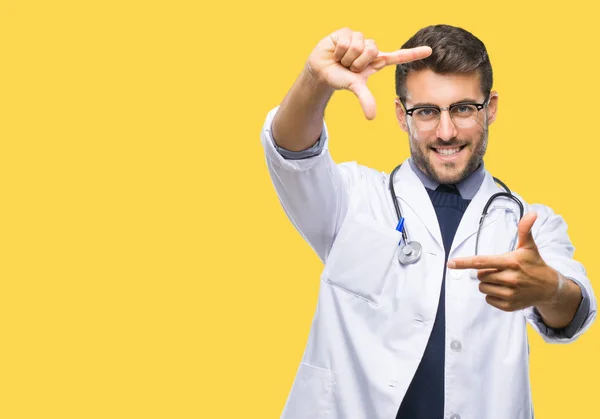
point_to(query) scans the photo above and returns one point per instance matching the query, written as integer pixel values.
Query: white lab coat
(374, 316)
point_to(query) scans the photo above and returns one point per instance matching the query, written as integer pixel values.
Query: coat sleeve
(312, 189)
(550, 235)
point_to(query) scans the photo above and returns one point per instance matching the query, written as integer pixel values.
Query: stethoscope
(410, 251)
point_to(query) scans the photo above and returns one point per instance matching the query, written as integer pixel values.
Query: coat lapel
(470, 220)
(415, 203)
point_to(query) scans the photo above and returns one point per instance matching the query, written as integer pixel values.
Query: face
(447, 154)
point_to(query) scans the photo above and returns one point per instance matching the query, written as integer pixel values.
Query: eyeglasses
(463, 114)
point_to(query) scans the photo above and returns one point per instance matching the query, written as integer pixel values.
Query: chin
(449, 175)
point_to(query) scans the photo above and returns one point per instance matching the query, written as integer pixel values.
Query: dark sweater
(425, 396)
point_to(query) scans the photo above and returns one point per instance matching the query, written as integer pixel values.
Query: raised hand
(345, 60)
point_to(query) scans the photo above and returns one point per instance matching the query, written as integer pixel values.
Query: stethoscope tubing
(411, 251)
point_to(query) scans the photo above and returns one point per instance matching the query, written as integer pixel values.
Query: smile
(448, 152)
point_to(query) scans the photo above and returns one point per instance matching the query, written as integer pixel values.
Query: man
(435, 333)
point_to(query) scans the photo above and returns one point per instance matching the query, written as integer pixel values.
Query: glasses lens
(464, 116)
(426, 118)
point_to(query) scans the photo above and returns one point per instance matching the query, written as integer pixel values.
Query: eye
(464, 110)
(426, 113)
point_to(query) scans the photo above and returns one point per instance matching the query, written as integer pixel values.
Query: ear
(401, 115)
(492, 107)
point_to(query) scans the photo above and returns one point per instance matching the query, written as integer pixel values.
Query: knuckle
(358, 37)
(513, 281)
(513, 262)
(371, 49)
(356, 48)
(343, 44)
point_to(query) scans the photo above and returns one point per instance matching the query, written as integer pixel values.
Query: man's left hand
(514, 280)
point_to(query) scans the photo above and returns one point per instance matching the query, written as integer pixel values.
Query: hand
(345, 60)
(518, 279)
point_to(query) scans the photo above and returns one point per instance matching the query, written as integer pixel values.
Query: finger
(504, 261)
(357, 45)
(341, 39)
(483, 273)
(400, 56)
(366, 99)
(493, 276)
(369, 54)
(496, 291)
(474, 273)
(525, 235)
(499, 303)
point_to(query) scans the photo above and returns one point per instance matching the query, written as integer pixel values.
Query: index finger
(480, 262)
(400, 56)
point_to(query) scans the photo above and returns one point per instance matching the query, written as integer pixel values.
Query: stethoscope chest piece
(410, 253)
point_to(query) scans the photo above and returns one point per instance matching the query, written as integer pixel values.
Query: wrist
(311, 80)
(556, 287)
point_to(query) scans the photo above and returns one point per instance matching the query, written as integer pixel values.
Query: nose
(446, 130)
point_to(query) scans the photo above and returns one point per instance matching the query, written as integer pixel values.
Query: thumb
(365, 97)
(525, 235)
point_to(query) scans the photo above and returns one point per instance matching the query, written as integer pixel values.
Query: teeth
(448, 151)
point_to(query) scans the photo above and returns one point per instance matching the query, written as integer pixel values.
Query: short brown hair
(454, 50)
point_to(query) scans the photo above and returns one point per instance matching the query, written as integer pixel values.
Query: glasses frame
(479, 107)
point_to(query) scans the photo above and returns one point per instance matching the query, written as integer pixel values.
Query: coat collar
(412, 194)
(467, 187)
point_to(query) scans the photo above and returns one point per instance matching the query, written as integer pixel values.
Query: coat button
(456, 274)
(455, 416)
(455, 345)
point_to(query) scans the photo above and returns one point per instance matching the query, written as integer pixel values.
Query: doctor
(442, 336)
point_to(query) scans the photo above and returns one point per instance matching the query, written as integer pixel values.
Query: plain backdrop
(147, 269)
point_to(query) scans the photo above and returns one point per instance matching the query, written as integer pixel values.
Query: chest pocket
(362, 257)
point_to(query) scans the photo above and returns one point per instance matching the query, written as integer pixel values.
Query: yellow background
(146, 267)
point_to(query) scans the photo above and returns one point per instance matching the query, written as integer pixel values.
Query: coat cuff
(569, 331)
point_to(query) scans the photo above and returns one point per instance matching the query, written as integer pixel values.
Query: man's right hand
(345, 60)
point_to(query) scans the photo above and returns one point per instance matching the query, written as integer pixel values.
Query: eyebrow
(468, 100)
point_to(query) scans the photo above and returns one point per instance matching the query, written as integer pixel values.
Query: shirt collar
(467, 187)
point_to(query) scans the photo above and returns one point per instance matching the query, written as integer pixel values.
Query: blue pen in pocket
(400, 227)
